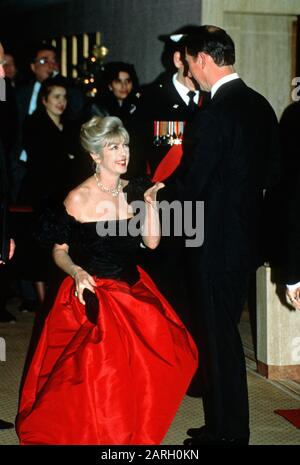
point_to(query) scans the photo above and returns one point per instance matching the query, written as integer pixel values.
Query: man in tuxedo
(229, 148)
(288, 197)
(5, 316)
(43, 64)
(7, 133)
(293, 247)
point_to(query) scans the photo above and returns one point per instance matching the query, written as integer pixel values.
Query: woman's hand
(151, 227)
(12, 247)
(150, 194)
(83, 280)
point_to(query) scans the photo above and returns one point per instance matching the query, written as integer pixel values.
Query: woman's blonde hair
(101, 131)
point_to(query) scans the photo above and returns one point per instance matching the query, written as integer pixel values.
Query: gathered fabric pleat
(119, 381)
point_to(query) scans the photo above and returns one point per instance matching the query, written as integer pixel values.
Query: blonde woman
(114, 361)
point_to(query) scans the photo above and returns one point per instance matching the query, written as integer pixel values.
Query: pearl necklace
(115, 191)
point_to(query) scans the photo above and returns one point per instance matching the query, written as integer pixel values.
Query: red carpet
(293, 416)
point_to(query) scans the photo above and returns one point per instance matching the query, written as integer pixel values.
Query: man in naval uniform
(167, 105)
(169, 102)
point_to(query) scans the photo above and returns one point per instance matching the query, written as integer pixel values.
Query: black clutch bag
(4, 236)
(91, 305)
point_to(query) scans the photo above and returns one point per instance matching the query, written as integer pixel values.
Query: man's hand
(293, 297)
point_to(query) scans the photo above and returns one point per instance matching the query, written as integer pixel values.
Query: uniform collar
(183, 90)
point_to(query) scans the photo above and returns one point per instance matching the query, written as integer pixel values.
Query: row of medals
(168, 132)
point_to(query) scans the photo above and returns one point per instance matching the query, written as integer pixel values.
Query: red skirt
(120, 381)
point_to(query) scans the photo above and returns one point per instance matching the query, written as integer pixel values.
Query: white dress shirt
(34, 96)
(292, 287)
(223, 80)
(32, 108)
(183, 91)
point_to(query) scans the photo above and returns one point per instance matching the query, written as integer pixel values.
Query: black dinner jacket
(231, 154)
(24, 93)
(286, 208)
(292, 245)
(163, 101)
(23, 97)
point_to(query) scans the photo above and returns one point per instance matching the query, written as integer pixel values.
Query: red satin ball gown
(118, 379)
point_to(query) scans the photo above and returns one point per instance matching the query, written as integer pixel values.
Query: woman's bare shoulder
(77, 197)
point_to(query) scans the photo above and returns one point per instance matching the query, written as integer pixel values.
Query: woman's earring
(97, 170)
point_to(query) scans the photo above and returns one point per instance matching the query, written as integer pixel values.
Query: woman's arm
(81, 277)
(151, 231)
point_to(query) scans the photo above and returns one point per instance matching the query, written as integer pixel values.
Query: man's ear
(177, 60)
(204, 58)
(32, 67)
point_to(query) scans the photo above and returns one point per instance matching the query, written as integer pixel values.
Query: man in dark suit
(288, 197)
(3, 183)
(228, 149)
(7, 134)
(292, 273)
(5, 316)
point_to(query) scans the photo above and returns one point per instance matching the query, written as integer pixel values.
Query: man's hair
(213, 41)
(39, 47)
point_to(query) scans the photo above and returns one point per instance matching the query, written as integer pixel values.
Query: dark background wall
(129, 28)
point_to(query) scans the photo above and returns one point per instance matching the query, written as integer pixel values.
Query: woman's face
(122, 86)
(56, 101)
(115, 158)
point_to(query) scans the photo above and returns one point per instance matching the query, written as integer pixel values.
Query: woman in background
(50, 143)
(119, 95)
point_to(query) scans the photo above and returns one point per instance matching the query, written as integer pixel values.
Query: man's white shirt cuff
(292, 287)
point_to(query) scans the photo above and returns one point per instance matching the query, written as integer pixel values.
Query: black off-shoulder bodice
(105, 248)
